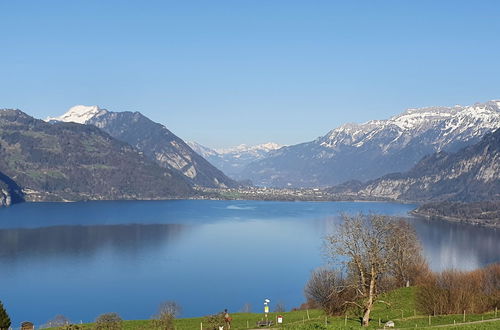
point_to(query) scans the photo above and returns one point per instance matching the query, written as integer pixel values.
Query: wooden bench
(264, 323)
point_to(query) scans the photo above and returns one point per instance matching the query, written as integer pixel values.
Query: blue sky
(229, 72)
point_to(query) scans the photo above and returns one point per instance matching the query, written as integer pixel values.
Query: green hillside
(398, 306)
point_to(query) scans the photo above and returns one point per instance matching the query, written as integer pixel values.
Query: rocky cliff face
(471, 174)
(370, 150)
(10, 192)
(155, 140)
(68, 161)
(5, 197)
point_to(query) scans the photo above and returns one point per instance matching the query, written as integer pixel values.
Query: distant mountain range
(155, 140)
(468, 175)
(370, 150)
(434, 154)
(68, 161)
(233, 160)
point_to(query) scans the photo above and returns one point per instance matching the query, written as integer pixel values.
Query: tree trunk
(369, 303)
(366, 316)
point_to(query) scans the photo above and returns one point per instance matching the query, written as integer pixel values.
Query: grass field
(399, 306)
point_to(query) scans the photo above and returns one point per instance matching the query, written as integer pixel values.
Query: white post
(345, 320)
(307, 311)
(464, 315)
(201, 325)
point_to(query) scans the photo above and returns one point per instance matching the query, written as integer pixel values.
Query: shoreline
(472, 222)
(293, 198)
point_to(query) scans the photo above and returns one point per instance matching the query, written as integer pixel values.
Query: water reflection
(455, 245)
(84, 241)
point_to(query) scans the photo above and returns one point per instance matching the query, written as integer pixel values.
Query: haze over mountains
(232, 161)
(375, 148)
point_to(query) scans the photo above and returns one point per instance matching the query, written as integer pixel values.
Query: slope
(155, 140)
(378, 147)
(471, 174)
(68, 161)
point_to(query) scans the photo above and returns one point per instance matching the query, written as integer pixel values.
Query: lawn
(397, 306)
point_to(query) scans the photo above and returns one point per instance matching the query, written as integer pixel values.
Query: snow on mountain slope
(205, 152)
(372, 149)
(79, 114)
(452, 121)
(256, 149)
(232, 160)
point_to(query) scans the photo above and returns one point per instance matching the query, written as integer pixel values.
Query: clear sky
(228, 72)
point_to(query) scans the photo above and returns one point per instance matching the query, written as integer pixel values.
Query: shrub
(213, 322)
(452, 291)
(109, 321)
(166, 315)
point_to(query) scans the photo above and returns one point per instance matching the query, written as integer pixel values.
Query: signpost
(266, 308)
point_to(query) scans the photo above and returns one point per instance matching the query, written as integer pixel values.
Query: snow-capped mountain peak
(232, 160)
(79, 114)
(243, 148)
(455, 120)
(377, 147)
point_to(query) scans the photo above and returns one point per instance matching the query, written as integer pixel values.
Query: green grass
(398, 306)
(230, 195)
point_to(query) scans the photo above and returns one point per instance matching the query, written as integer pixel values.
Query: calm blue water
(85, 259)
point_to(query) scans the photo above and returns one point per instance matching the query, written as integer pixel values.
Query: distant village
(275, 194)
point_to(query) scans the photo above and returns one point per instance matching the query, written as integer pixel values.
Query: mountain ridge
(471, 174)
(70, 161)
(154, 139)
(375, 148)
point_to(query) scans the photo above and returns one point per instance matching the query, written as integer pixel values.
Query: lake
(85, 259)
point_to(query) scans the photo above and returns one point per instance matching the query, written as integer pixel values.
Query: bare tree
(364, 243)
(407, 263)
(247, 308)
(280, 307)
(328, 290)
(57, 321)
(167, 313)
